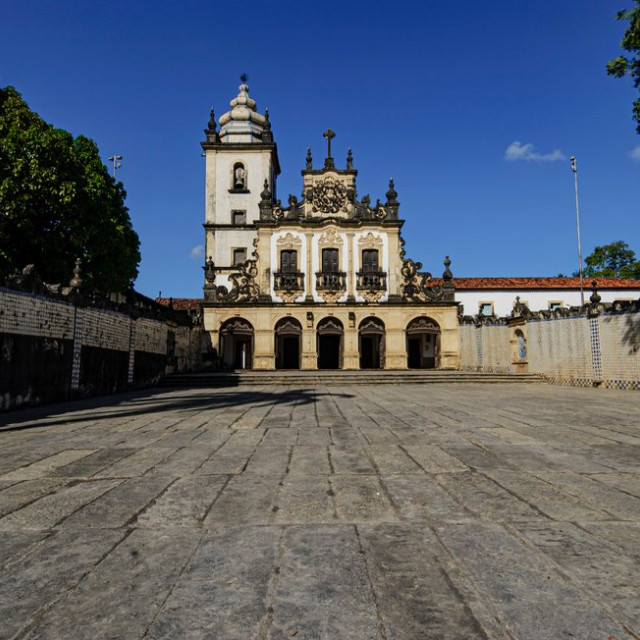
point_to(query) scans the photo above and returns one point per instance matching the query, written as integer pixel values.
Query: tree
(615, 260)
(622, 65)
(58, 203)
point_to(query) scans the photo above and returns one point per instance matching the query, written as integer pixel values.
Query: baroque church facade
(321, 282)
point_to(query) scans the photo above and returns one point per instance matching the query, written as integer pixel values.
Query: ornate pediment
(370, 241)
(330, 238)
(289, 242)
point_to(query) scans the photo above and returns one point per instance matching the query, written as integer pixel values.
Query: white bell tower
(239, 158)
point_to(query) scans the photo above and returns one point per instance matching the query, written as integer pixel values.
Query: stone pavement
(390, 512)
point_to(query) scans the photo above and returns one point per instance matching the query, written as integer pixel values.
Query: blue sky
(431, 93)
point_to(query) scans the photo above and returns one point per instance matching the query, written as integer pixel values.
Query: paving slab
(444, 512)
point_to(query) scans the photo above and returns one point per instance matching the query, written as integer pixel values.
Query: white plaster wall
(257, 164)
(537, 299)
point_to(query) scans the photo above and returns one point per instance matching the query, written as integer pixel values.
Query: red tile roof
(181, 303)
(482, 284)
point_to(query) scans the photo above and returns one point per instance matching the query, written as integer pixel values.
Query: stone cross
(329, 135)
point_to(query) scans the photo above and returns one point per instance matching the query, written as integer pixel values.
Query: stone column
(263, 349)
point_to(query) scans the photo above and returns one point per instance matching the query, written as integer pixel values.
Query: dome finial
(243, 78)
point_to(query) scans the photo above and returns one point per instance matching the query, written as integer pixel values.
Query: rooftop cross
(243, 78)
(329, 135)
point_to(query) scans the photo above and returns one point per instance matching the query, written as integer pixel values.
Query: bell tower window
(239, 177)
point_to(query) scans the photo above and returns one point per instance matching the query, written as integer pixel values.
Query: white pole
(574, 168)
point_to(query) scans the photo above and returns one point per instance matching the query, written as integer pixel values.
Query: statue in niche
(239, 177)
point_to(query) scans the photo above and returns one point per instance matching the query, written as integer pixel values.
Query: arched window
(239, 177)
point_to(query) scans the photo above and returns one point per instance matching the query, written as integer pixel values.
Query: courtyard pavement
(411, 511)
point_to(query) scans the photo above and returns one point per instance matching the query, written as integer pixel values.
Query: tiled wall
(52, 350)
(602, 350)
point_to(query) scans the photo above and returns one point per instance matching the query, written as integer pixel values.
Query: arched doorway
(371, 343)
(423, 344)
(288, 335)
(236, 344)
(329, 343)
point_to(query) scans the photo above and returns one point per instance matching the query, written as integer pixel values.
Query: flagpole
(574, 168)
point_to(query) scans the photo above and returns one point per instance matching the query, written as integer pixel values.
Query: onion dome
(243, 123)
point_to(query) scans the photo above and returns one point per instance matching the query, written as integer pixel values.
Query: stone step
(338, 377)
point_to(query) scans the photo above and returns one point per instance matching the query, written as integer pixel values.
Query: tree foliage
(611, 261)
(58, 203)
(622, 65)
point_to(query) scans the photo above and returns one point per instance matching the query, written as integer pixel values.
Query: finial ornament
(212, 120)
(349, 159)
(243, 78)
(391, 194)
(266, 193)
(309, 159)
(76, 281)
(447, 275)
(595, 296)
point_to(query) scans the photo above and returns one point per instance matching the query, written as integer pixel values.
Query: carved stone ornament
(423, 325)
(330, 238)
(416, 285)
(289, 242)
(245, 287)
(369, 241)
(329, 195)
(237, 326)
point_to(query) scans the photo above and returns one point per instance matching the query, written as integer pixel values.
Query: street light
(116, 164)
(574, 168)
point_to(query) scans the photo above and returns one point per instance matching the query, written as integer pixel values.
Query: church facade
(319, 282)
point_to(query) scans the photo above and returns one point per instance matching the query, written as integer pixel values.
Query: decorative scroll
(416, 284)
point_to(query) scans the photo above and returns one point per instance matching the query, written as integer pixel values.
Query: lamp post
(117, 163)
(574, 168)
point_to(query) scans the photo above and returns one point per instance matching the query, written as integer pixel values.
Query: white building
(496, 296)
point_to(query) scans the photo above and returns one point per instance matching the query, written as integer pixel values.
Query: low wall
(53, 349)
(598, 345)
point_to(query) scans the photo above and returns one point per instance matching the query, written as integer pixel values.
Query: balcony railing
(371, 281)
(331, 280)
(288, 281)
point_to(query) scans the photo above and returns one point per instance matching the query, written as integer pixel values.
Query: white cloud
(518, 151)
(197, 251)
(635, 153)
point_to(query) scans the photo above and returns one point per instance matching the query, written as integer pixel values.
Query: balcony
(371, 281)
(331, 280)
(289, 281)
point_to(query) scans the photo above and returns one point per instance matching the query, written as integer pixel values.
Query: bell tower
(239, 158)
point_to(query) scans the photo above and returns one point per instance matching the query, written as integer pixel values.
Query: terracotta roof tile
(539, 283)
(181, 303)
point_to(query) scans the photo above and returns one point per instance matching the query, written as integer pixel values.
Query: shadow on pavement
(150, 401)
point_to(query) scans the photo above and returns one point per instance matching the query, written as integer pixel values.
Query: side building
(320, 282)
